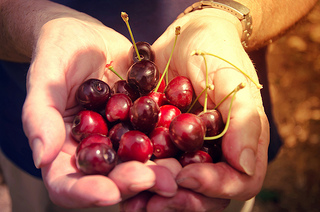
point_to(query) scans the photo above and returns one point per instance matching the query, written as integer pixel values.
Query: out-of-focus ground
(293, 179)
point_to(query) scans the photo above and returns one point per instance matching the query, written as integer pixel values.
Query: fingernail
(189, 182)
(37, 151)
(248, 161)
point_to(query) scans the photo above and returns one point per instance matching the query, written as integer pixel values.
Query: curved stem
(234, 92)
(199, 52)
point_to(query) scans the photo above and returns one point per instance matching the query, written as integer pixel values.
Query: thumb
(41, 114)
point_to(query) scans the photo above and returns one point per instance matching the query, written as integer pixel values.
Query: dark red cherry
(179, 92)
(198, 156)
(143, 76)
(94, 138)
(187, 132)
(214, 149)
(96, 158)
(144, 114)
(93, 94)
(118, 107)
(121, 86)
(167, 114)
(116, 132)
(213, 121)
(163, 147)
(145, 50)
(88, 122)
(135, 145)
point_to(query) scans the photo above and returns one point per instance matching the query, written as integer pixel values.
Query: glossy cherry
(198, 156)
(145, 50)
(144, 114)
(163, 147)
(116, 132)
(135, 145)
(96, 158)
(213, 121)
(121, 86)
(187, 132)
(167, 114)
(93, 94)
(88, 122)
(143, 76)
(179, 92)
(94, 138)
(118, 107)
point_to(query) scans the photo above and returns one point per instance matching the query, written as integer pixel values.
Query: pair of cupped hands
(69, 51)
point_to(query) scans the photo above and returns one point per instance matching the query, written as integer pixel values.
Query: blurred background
(293, 179)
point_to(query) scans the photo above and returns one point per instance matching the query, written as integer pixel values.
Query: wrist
(218, 24)
(241, 12)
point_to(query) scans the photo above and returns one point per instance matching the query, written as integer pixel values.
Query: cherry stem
(125, 18)
(199, 52)
(205, 104)
(165, 72)
(110, 67)
(195, 101)
(234, 92)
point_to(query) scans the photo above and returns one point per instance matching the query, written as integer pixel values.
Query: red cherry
(93, 94)
(118, 107)
(116, 132)
(167, 114)
(213, 121)
(94, 138)
(97, 158)
(143, 76)
(144, 114)
(88, 122)
(179, 92)
(198, 156)
(135, 145)
(121, 86)
(158, 97)
(187, 132)
(163, 147)
(145, 50)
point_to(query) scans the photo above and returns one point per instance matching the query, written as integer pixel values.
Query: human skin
(63, 54)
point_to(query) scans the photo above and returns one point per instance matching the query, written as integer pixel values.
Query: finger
(136, 203)
(186, 200)
(165, 184)
(222, 180)
(69, 188)
(171, 164)
(132, 177)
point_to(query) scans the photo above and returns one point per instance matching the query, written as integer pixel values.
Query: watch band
(233, 7)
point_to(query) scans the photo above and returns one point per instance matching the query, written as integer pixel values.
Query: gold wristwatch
(233, 7)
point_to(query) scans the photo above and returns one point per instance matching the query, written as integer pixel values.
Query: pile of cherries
(141, 118)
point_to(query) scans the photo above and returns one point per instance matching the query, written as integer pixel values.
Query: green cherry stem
(165, 72)
(234, 92)
(205, 104)
(199, 52)
(125, 18)
(110, 67)
(211, 87)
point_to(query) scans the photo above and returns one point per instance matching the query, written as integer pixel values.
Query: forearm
(21, 22)
(272, 18)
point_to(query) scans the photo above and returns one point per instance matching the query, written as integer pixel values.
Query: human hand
(246, 142)
(69, 51)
